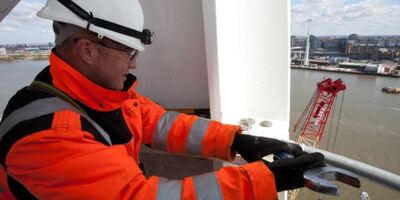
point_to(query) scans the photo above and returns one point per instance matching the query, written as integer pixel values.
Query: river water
(368, 129)
(15, 75)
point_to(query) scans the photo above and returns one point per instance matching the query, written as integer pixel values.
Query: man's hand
(288, 172)
(253, 148)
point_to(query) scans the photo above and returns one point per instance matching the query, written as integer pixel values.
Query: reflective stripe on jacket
(61, 155)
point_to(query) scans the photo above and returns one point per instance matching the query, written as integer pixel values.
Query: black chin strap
(146, 37)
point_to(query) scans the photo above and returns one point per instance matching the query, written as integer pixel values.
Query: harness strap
(39, 85)
(45, 87)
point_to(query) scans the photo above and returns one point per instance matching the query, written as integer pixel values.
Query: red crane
(318, 110)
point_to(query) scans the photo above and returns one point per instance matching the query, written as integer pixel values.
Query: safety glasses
(132, 53)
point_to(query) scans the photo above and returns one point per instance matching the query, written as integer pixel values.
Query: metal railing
(378, 175)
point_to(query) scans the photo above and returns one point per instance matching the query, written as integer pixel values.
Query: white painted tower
(306, 59)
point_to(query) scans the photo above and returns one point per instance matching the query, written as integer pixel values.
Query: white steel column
(247, 48)
(248, 62)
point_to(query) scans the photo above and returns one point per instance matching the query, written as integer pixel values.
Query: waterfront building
(391, 43)
(32, 49)
(342, 44)
(335, 60)
(362, 48)
(381, 42)
(3, 52)
(353, 37)
(374, 69)
(368, 51)
(330, 44)
(292, 41)
(315, 42)
(349, 65)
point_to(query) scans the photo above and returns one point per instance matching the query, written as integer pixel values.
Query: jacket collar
(77, 86)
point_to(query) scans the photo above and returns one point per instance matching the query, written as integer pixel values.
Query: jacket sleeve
(180, 133)
(63, 163)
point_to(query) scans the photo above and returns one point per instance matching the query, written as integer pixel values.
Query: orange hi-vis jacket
(50, 150)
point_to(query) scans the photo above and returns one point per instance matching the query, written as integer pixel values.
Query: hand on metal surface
(318, 178)
(253, 148)
(289, 172)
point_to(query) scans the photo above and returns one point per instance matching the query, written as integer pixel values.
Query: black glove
(288, 172)
(253, 148)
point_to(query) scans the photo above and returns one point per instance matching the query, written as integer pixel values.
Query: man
(75, 132)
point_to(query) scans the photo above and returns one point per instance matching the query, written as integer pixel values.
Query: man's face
(112, 68)
(112, 64)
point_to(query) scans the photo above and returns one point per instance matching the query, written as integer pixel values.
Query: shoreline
(21, 58)
(344, 72)
(42, 57)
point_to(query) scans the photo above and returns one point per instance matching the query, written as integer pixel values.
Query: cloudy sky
(330, 17)
(23, 26)
(343, 17)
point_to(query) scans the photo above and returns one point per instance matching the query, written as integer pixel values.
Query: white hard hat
(119, 20)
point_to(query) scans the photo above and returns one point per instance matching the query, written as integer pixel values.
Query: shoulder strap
(35, 109)
(41, 107)
(45, 87)
(39, 85)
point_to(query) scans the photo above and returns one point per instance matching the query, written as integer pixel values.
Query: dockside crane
(317, 111)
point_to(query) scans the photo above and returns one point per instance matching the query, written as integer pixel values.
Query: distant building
(330, 44)
(32, 49)
(315, 42)
(335, 60)
(349, 65)
(3, 52)
(297, 53)
(353, 37)
(391, 43)
(300, 42)
(362, 48)
(316, 62)
(366, 51)
(364, 67)
(342, 44)
(292, 41)
(381, 42)
(45, 48)
(374, 69)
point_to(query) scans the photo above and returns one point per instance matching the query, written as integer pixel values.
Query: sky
(329, 17)
(22, 25)
(344, 17)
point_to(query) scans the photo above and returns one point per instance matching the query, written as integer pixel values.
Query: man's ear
(86, 51)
